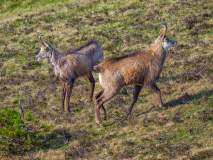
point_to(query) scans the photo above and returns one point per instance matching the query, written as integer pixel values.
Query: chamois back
(86, 44)
(114, 59)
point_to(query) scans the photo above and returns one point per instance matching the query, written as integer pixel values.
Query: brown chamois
(140, 68)
(73, 64)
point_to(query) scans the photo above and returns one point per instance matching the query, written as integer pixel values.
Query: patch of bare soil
(31, 65)
(200, 67)
(116, 102)
(9, 52)
(163, 137)
(202, 154)
(204, 115)
(170, 150)
(8, 28)
(128, 153)
(4, 91)
(200, 28)
(156, 120)
(189, 21)
(83, 148)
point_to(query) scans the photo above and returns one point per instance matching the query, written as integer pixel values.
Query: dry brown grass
(183, 131)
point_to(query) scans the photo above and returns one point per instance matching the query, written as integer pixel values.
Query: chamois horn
(39, 39)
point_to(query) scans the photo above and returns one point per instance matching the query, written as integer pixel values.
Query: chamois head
(45, 51)
(164, 39)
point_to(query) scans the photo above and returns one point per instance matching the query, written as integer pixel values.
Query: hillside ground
(183, 131)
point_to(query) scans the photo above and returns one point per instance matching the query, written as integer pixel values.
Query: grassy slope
(184, 130)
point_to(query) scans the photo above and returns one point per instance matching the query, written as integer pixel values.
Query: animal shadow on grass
(61, 136)
(122, 120)
(186, 98)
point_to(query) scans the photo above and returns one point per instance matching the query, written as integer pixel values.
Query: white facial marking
(170, 42)
(99, 77)
(65, 65)
(167, 45)
(39, 58)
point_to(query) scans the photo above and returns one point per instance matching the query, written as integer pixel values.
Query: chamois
(142, 67)
(73, 64)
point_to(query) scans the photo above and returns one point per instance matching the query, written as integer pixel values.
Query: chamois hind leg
(68, 94)
(103, 110)
(158, 92)
(92, 86)
(104, 97)
(63, 92)
(136, 92)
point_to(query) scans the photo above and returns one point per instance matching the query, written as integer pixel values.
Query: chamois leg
(103, 111)
(92, 86)
(63, 92)
(158, 92)
(104, 97)
(68, 94)
(136, 92)
(97, 114)
(99, 94)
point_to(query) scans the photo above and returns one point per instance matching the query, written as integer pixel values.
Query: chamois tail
(96, 69)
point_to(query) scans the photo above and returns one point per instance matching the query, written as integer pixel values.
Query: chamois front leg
(63, 93)
(92, 86)
(158, 92)
(68, 94)
(136, 92)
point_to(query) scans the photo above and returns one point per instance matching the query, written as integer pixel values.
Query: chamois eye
(163, 38)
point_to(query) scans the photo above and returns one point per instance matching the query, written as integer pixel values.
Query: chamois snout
(168, 43)
(38, 57)
(175, 43)
(41, 55)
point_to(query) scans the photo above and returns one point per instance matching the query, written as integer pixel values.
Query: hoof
(88, 101)
(128, 114)
(104, 117)
(162, 106)
(101, 124)
(68, 112)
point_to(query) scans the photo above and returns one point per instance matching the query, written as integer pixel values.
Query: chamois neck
(158, 50)
(54, 57)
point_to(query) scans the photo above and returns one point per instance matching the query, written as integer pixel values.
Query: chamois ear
(163, 31)
(46, 45)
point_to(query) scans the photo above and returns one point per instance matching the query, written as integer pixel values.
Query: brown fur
(140, 68)
(72, 65)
